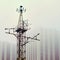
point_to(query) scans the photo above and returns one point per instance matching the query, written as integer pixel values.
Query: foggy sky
(41, 14)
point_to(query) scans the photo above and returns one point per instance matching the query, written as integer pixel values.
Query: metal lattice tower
(20, 34)
(21, 29)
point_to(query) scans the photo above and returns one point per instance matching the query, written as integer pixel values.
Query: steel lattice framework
(20, 34)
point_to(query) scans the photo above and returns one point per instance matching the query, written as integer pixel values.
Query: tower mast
(20, 34)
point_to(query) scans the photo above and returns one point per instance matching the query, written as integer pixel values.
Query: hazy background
(45, 19)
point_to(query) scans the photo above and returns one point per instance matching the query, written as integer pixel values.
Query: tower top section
(22, 25)
(21, 9)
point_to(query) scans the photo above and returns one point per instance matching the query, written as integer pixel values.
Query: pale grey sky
(41, 14)
(45, 13)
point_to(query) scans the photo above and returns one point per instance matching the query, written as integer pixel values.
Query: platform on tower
(21, 30)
